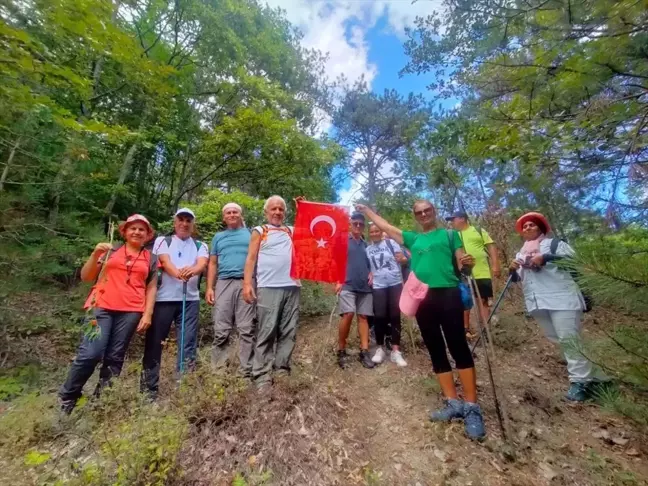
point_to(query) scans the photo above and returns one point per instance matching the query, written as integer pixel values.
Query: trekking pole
(410, 330)
(324, 342)
(488, 350)
(182, 325)
(494, 309)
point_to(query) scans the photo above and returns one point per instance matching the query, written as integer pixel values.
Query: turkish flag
(320, 242)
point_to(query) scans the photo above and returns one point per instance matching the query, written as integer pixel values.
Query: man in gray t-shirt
(355, 295)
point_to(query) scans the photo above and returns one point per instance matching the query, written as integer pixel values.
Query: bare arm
(253, 253)
(493, 256)
(168, 266)
(212, 271)
(392, 231)
(151, 291)
(91, 267)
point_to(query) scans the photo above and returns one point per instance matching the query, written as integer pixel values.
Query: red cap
(537, 218)
(134, 218)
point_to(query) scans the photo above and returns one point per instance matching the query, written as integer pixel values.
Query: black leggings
(442, 309)
(387, 311)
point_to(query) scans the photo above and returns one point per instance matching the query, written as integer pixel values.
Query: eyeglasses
(357, 225)
(423, 212)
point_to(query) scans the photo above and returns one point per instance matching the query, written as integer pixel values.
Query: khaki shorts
(355, 303)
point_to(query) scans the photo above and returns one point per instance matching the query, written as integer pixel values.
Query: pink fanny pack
(414, 291)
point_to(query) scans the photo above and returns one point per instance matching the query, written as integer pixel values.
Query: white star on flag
(321, 243)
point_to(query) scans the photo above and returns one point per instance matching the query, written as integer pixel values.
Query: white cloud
(325, 22)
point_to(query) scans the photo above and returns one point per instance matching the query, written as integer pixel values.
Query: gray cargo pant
(230, 309)
(278, 313)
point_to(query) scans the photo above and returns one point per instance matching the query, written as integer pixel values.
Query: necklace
(130, 263)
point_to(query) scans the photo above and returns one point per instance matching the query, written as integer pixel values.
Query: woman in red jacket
(122, 302)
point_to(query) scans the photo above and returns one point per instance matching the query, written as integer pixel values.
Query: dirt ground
(362, 426)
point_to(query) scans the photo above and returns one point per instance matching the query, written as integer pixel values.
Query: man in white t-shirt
(182, 259)
(276, 294)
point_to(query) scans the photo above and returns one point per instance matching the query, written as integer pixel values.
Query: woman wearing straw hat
(554, 300)
(121, 302)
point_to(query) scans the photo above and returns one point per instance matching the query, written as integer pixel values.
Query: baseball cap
(185, 211)
(356, 216)
(457, 214)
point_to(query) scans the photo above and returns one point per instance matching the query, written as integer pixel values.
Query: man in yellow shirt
(478, 243)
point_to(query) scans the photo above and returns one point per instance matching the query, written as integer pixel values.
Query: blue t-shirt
(386, 270)
(231, 248)
(357, 271)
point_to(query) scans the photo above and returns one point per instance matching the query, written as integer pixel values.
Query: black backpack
(405, 268)
(589, 302)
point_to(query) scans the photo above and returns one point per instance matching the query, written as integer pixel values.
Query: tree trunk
(58, 187)
(5, 171)
(123, 174)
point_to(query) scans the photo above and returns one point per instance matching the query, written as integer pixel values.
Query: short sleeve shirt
(122, 287)
(357, 271)
(432, 255)
(183, 253)
(475, 245)
(275, 257)
(231, 248)
(386, 270)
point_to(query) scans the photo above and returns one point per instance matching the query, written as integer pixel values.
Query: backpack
(405, 267)
(589, 302)
(168, 239)
(466, 294)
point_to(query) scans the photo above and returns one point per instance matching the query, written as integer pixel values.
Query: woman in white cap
(121, 302)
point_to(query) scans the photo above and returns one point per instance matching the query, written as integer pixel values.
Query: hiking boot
(577, 392)
(365, 359)
(473, 421)
(343, 359)
(454, 409)
(379, 356)
(66, 406)
(397, 357)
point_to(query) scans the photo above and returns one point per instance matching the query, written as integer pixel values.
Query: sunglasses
(358, 225)
(423, 212)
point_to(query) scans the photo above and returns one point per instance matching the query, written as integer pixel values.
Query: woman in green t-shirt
(440, 315)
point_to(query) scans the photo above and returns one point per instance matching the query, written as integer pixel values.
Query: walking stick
(494, 309)
(324, 341)
(488, 350)
(182, 325)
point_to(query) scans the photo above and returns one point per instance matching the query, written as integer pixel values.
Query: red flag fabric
(320, 242)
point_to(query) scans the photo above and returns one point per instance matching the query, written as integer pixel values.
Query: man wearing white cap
(182, 259)
(225, 290)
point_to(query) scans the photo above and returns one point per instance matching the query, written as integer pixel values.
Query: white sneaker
(397, 357)
(379, 356)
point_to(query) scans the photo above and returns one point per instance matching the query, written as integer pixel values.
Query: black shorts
(485, 287)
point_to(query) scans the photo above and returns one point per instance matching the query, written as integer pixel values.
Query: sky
(362, 38)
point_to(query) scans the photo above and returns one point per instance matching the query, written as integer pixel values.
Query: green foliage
(614, 269)
(316, 299)
(552, 98)
(378, 132)
(35, 458)
(18, 380)
(146, 449)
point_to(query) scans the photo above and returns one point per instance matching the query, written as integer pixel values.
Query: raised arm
(392, 231)
(249, 294)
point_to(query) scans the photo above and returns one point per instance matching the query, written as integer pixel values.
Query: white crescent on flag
(321, 243)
